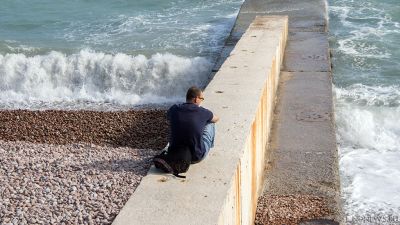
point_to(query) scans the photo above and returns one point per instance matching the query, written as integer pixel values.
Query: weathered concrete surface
(224, 188)
(302, 157)
(307, 51)
(306, 15)
(309, 15)
(302, 153)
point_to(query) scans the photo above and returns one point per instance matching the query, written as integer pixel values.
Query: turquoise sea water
(365, 37)
(122, 52)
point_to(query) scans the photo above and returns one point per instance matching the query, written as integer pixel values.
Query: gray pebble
(43, 193)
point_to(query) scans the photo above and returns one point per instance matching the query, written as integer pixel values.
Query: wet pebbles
(137, 129)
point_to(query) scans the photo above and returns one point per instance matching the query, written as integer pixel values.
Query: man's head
(194, 95)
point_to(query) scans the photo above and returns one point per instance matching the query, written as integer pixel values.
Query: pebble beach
(74, 167)
(290, 209)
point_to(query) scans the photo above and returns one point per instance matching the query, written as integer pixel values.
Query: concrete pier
(302, 165)
(223, 189)
(282, 156)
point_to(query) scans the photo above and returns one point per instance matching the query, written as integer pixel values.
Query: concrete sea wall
(224, 188)
(270, 164)
(302, 181)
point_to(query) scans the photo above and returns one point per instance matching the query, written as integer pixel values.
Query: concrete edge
(224, 188)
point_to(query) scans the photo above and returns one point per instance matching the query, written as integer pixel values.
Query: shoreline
(102, 107)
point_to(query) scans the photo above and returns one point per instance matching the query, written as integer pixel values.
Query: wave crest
(363, 95)
(97, 77)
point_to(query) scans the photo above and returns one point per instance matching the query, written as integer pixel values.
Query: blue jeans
(207, 139)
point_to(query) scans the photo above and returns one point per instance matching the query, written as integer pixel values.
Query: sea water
(91, 54)
(86, 54)
(365, 37)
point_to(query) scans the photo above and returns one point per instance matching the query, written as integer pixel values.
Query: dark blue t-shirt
(187, 123)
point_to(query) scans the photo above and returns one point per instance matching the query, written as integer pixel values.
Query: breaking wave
(96, 77)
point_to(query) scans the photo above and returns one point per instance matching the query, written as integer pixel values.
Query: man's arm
(214, 119)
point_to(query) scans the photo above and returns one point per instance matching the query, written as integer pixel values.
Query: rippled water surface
(365, 38)
(120, 52)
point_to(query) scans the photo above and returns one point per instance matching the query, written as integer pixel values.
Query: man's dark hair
(192, 93)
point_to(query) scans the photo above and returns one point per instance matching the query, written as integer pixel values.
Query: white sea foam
(365, 30)
(371, 187)
(97, 77)
(363, 95)
(367, 113)
(355, 47)
(21, 48)
(368, 131)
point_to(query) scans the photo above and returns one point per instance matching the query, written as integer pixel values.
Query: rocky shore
(290, 209)
(74, 167)
(134, 128)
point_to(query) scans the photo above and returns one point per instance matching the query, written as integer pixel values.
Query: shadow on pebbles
(67, 184)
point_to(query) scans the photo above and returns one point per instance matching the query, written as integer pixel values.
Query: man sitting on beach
(192, 125)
